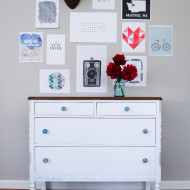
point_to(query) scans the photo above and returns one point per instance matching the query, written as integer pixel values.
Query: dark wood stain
(94, 98)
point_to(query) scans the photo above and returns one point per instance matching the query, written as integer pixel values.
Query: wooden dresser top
(94, 98)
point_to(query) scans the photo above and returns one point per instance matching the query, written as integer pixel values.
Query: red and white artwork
(133, 37)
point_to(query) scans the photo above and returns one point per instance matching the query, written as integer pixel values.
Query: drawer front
(76, 161)
(80, 131)
(121, 109)
(64, 109)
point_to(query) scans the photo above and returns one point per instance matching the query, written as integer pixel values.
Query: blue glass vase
(119, 88)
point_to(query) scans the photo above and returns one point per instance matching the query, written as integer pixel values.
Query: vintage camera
(91, 73)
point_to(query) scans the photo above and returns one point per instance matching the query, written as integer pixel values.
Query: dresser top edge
(95, 98)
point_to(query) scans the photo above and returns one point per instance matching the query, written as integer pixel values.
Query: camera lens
(87, 64)
(96, 65)
(91, 73)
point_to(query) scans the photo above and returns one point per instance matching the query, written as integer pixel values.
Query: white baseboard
(16, 184)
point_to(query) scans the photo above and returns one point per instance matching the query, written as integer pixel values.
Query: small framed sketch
(54, 81)
(135, 9)
(103, 4)
(47, 13)
(161, 40)
(141, 63)
(31, 47)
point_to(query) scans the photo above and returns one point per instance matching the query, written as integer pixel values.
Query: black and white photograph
(91, 68)
(135, 9)
(91, 73)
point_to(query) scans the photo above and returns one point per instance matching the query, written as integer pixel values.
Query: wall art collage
(92, 28)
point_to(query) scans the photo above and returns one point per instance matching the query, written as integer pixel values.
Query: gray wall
(168, 77)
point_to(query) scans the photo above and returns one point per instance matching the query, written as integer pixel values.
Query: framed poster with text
(135, 9)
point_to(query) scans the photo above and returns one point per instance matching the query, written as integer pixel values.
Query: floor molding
(24, 184)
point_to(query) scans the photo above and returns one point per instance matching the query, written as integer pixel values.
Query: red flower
(119, 59)
(129, 72)
(113, 70)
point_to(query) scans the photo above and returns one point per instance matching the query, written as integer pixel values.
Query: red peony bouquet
(118, 71)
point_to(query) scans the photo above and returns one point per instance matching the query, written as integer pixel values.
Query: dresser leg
(43, 185)
(157, 186)
(147, 185)
(33, 185)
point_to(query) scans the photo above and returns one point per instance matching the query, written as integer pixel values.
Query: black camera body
(91, 73)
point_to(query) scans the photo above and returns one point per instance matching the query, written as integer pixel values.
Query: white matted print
(141, 63)
(31, 47)
(161, 40)
(54, 81)
(103, 4)
(56, 49)
(93, 27)
(47, 13)
(91, 68)
(133, 37)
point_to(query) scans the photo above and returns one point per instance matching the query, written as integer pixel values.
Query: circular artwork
(56, 81)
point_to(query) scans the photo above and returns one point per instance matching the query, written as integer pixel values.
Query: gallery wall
(167, 77)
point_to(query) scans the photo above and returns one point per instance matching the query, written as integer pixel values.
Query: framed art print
(141, 64)
(54, 81)
(93, 27)
(135, 9)
(91, 68)
(133, 37)
(31, 47)
(161, 40)
(47, 13)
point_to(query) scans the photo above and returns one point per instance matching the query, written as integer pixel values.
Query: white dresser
(95, 140)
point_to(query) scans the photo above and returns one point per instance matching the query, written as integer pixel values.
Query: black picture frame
(127, 10)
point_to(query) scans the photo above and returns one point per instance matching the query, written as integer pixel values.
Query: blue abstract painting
(56, 81)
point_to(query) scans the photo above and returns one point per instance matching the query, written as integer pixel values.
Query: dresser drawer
(64, 109)
(121, 109)
(94, 131)
(92, 161)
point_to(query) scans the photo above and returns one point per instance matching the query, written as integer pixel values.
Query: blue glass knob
(145, 131)
(63, 108)
(45, 131)
(45, 160)
(126, 108)
(145, 160)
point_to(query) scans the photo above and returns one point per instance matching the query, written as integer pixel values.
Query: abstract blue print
(56, 81)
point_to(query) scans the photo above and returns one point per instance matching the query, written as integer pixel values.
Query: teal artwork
(56, 81)
(161, 40)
